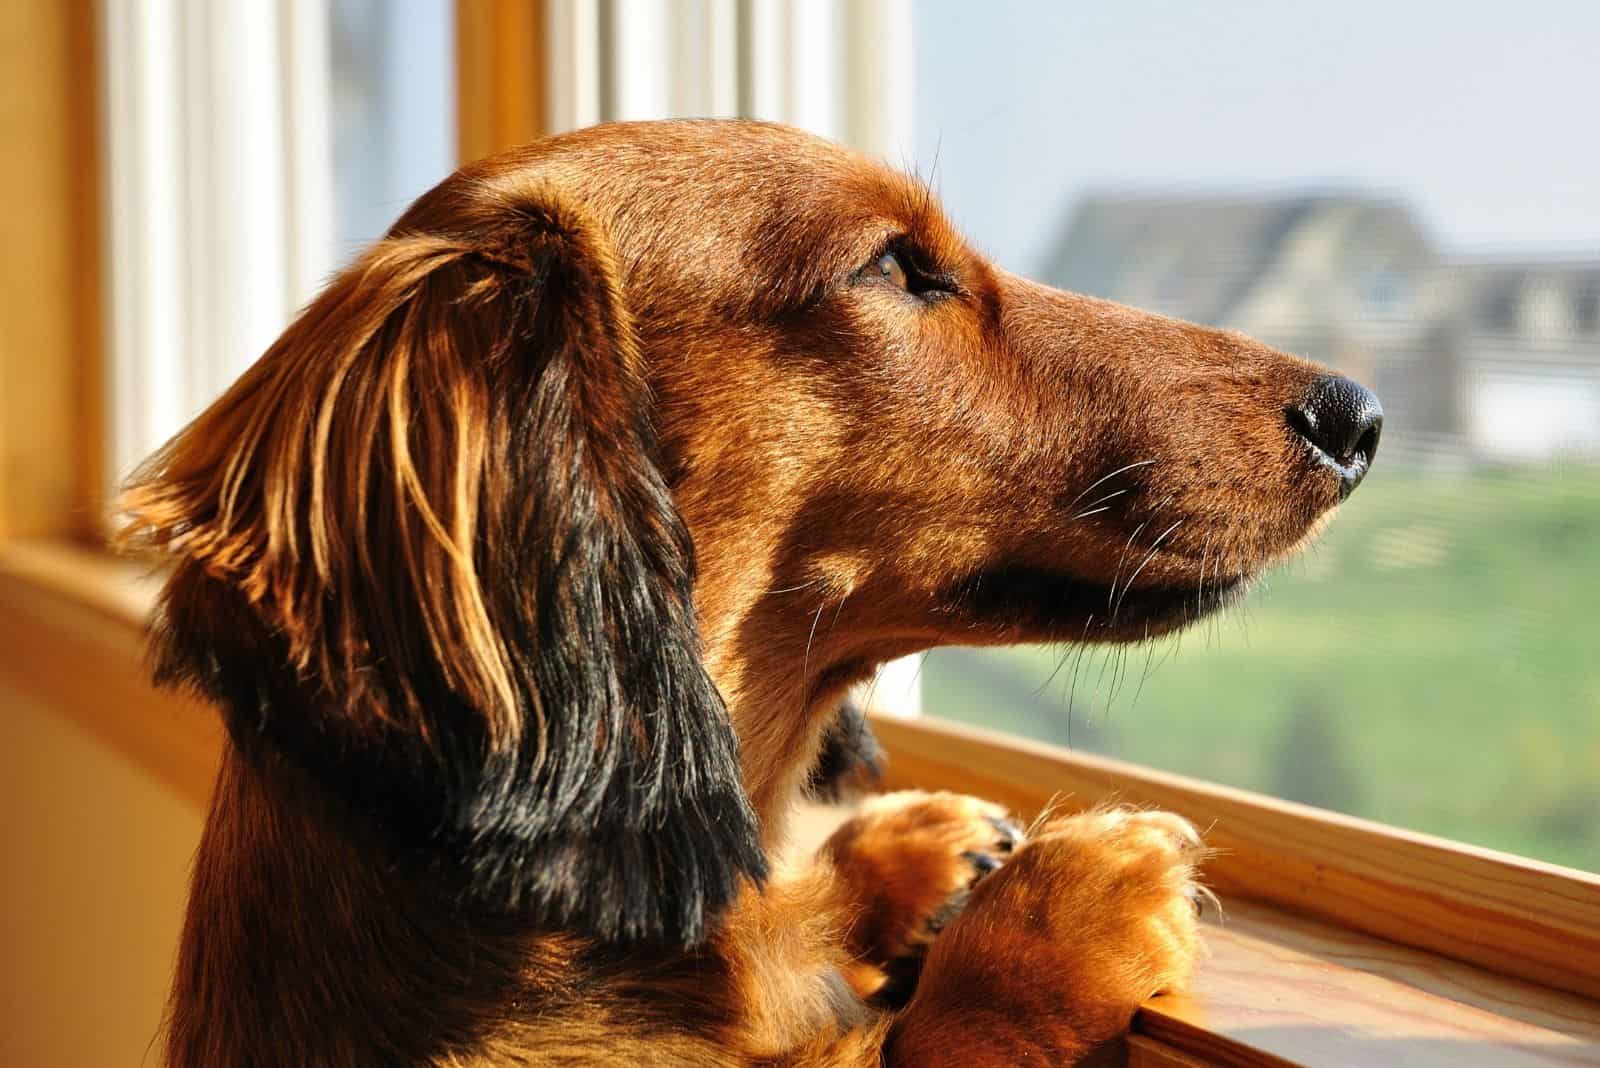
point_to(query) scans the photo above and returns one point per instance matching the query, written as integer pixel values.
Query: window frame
(52, 395)
(65, 603)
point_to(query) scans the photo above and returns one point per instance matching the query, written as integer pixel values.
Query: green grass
(1434, 663)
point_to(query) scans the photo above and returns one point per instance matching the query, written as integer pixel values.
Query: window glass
(393, 102)
(322, 119)
(1405, 193)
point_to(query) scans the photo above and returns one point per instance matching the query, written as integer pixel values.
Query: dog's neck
(784, 667)
(779, 721)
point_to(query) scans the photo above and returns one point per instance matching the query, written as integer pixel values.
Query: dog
(532, 566)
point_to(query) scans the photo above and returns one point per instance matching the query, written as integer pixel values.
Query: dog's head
(438, 546)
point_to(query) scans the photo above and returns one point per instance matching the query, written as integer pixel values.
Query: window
(391, 68)
(1407, 205)
(252, 148)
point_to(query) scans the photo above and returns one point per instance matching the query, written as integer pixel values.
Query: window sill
(1346, 942)
(1306, 968)
(1280, 989)
(72, 637)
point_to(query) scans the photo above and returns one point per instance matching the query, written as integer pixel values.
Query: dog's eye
(902, 268)
(891, 270)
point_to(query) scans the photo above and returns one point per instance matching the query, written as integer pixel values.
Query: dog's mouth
(1019, 603)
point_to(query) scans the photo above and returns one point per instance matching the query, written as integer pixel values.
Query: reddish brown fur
(851, 462)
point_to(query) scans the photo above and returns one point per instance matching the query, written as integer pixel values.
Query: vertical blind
(219, 192)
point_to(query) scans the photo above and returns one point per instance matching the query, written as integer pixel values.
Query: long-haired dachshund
(531, 566)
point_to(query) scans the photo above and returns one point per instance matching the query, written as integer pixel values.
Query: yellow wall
(97, 856)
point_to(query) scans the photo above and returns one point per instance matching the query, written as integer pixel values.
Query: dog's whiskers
(1143, 563)
(1090, 488)
(1044, 686)
(805, 664)
(837, 610)
(1118, 674)
(1200, 591)
(1122, 558)
(1077, 664)
(1216, 583)
(1090, 508)
(1149, 656)
(1105, 662)
(793, 589)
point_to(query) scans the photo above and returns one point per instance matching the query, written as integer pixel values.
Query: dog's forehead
(738, 164)
(759, 195)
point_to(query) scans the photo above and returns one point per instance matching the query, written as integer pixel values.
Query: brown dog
(507, 771)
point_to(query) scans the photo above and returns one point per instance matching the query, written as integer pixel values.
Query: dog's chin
(1028, 604)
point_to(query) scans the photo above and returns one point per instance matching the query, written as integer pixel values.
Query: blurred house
(1474, 362)
(1528, 338)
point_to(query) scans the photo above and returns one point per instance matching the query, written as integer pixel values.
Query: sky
(1484, 116)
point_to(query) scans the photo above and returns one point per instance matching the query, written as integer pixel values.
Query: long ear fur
(423, 551)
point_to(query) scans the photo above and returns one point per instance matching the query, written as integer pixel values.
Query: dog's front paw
(908, 861)
(1094, 914)
(1122, 881)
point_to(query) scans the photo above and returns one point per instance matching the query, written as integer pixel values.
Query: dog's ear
(422, 550)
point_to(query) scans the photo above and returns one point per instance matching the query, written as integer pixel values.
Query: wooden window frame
(52, 395)
(1344, 933)
(1507, 914)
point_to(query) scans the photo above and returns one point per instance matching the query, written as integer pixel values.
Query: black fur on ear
(422, 549)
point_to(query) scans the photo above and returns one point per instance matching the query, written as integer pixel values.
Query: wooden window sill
(1343, 943)
(72, 637)
(1279, 989)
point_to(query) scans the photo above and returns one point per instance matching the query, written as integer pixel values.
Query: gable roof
(1513, 297)
(1199, 257)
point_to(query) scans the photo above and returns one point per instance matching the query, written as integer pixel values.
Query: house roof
(1538, 297)
(1199, 257)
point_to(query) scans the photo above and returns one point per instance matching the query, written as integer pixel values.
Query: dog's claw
(982, 861)
(1201, 896)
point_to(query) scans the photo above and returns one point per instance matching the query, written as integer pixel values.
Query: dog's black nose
(1341, 420)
